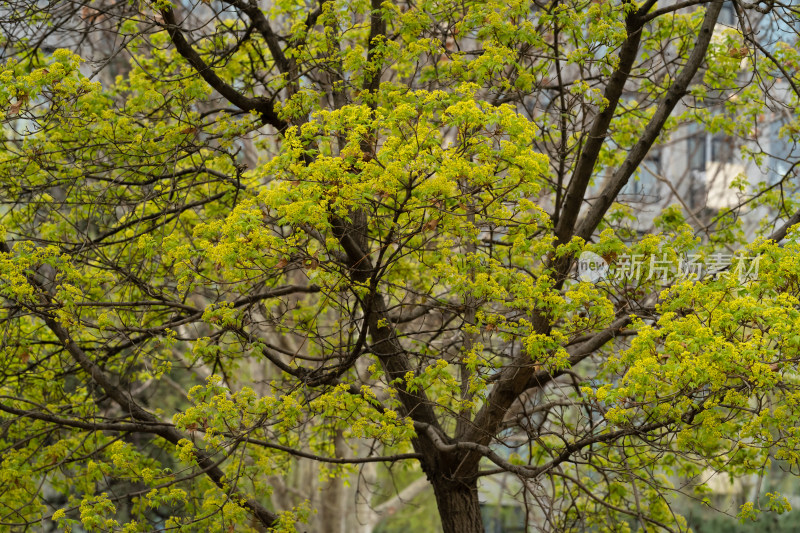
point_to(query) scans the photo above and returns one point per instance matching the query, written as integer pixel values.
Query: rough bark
(334, 506)
(458, 505)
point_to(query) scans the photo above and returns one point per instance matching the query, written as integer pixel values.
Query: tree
(346, 232)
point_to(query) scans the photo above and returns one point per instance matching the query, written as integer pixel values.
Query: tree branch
(285, 65)
(639, 151)
(385, 343)
(80, 424)
(377, 30)
(332, 460)
(260, 104)
(598, 132)
(137, 412)
(779, 234)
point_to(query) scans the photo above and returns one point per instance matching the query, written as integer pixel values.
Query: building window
(722, 148)
(714, 166)
(703, 148)
(643, 186)
(727, 15)
(696, 148)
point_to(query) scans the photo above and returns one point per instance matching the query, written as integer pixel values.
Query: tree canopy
(236, 235)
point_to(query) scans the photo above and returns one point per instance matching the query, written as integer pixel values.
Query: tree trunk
(333, 505)
(458, 506)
